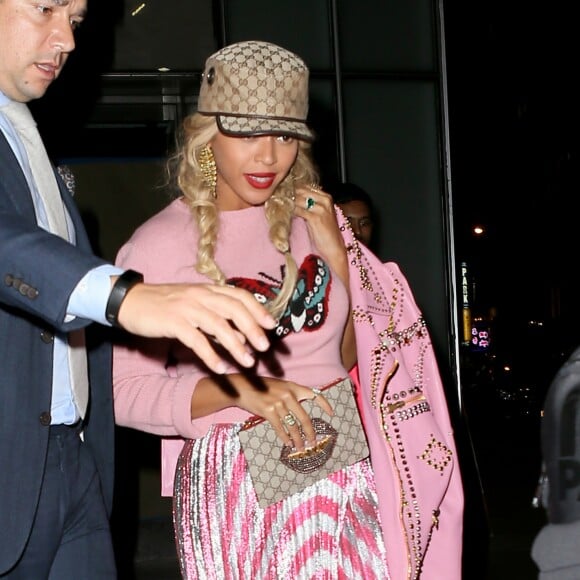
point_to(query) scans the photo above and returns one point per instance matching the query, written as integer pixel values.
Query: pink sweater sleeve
(148, 396)
(148, 393)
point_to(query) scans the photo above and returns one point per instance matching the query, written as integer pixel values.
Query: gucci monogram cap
(256, 88)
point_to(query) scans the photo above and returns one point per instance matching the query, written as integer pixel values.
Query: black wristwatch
(124, 283)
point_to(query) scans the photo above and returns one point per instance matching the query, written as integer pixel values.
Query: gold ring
(316, 393)
(290, 420)
(310, 203)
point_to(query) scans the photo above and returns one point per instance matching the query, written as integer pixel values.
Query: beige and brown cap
(256, 88)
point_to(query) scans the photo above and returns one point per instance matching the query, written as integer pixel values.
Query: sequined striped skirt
(331, 530)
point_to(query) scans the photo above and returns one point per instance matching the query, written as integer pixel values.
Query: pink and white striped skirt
(331, 530)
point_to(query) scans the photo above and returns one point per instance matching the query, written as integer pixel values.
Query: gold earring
(208, 169)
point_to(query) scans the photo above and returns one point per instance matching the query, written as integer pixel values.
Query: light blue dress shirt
(88, 300)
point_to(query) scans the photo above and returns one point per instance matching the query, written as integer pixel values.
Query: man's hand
(193, 312)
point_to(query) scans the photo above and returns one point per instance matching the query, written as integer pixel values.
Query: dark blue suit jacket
(38, 272)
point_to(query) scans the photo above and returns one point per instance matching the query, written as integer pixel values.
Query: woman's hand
(277, 401)
(317, 209)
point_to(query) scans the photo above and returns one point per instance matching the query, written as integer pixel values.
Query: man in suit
(56, 431)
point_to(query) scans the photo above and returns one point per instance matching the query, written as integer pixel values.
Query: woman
(247, 215)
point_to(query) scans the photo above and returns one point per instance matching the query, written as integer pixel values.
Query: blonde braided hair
(196, 132)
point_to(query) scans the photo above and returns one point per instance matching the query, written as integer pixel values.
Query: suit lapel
(13, 180)
(82, 240)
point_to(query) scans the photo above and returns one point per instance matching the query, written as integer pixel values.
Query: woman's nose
(267, 150)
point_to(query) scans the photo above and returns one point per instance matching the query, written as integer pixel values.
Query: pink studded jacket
(407, 422)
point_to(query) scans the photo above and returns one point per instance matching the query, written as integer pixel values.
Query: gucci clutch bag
(278, 471)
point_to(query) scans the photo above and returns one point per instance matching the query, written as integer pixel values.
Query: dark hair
(346, 192)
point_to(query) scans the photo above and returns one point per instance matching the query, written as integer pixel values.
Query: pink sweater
(154, 379)
(402, 398)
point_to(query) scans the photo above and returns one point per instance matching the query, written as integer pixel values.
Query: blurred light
(507, 369)
(138, 9)
(478, 230)
(163, 69)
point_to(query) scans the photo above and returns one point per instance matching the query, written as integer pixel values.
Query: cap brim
(239, 126)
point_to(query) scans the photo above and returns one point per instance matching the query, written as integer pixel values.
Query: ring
(316, 393)
(310, 203)
(290, 420)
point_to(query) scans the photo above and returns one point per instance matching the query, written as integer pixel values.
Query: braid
(197, 131)
(279, 213)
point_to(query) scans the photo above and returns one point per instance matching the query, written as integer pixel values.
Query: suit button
(45, 419)
(8, 279)
(46, 336)
(32, 293)
(23, 289)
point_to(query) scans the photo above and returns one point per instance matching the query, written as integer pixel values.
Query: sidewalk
(156, 558)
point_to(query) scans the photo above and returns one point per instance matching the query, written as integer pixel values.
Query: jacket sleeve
(39, 270)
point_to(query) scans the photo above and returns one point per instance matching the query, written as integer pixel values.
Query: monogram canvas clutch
(277, 472)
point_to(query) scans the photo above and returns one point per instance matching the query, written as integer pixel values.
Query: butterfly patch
(308, 306)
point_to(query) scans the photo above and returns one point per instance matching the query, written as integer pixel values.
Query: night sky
(514, 113)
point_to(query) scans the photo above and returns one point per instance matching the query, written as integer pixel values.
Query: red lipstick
(260, 180)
